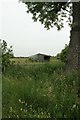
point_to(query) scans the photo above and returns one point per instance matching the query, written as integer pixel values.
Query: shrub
(7, 53)
(63, 55)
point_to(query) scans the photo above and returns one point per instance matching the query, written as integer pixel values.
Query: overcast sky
(27, 37)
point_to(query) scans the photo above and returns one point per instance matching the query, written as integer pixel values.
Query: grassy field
(20, 60)
(39, 90)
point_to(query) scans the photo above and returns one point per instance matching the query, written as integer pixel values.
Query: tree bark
(73, 58)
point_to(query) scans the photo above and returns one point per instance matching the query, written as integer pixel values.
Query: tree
(52, 14)
(7, 53)
(63, 55)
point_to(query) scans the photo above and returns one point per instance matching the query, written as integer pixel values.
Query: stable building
(40, 57)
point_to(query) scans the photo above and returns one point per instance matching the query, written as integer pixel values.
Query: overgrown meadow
(39, 90)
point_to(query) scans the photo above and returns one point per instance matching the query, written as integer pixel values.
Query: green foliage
(63, 55)
(64, 52)
(50, 13)
(39, 91)
(7, 53)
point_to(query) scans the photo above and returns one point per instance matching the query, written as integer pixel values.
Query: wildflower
(25, 110)
(49, 114)
(42, 113)
(74, 106)
(21, 109)
(11, 109)
(25, 104)
(19, 100)
(17, 116)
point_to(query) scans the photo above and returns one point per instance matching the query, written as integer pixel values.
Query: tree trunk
(73, 58)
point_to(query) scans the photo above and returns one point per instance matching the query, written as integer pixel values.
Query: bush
(6, 54)
(63, 55)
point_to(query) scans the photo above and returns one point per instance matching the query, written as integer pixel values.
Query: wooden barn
(40, 57)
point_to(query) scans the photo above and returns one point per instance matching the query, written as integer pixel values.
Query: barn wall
(40, 57)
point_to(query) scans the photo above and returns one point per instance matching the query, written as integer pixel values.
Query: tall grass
(40, 91)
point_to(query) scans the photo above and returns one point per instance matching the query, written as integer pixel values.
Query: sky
(26, 36)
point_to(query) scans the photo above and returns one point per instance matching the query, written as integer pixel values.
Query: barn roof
(41, 54)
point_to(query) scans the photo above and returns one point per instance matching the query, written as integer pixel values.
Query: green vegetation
(39, 90)
(6, 54)
(63, 55)
(21, 60)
